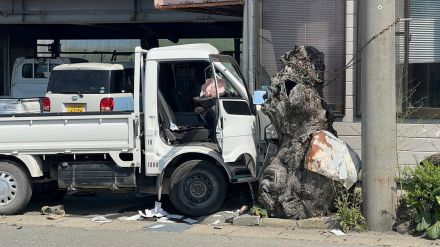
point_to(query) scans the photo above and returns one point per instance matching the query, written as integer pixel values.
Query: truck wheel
(197, 188)
(15, 188)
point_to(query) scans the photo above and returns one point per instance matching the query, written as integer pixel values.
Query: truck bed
(67, 133)
(19, 106)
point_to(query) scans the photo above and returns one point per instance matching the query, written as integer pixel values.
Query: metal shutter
(400, 32)
(424, 46)
(320, 23)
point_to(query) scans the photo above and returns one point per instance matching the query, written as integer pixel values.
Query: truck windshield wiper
(75, 92)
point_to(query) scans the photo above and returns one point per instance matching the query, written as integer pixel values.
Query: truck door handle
(221, 122)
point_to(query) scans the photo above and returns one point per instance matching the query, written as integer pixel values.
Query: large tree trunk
(297, 109)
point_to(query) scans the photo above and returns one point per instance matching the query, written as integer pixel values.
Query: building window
(419, 56)
(318, 23)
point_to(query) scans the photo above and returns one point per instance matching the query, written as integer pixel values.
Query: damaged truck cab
(193, 131)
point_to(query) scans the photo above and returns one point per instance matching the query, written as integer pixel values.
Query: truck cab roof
(182, 52)
(89, 66)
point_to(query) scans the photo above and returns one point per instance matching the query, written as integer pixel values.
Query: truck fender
(214, 156)
(32, 163)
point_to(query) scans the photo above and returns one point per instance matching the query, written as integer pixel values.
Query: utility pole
(378, 101)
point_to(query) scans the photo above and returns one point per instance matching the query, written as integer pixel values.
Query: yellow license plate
(76, 108)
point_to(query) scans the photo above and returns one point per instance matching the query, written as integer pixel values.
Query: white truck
(184, 145)
(29, 81)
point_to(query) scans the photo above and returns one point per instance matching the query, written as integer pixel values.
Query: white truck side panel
(66, 134)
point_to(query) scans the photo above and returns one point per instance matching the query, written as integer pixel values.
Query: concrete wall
(417, 138)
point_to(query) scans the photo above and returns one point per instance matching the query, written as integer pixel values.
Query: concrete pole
(378, 99)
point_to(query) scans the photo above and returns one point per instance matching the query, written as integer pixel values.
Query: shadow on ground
(115, 205)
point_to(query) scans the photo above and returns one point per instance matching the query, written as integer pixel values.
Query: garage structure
(24, 22)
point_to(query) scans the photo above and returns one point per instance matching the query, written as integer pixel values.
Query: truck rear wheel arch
(30, 163)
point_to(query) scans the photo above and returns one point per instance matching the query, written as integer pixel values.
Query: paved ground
(77, 229)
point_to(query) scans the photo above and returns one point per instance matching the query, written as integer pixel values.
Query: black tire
(197, 188)
(15, 188)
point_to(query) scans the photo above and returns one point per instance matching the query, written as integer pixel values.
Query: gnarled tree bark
(296, 108)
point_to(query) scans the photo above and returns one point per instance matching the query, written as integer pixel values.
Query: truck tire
(15, 188)
(197, 188)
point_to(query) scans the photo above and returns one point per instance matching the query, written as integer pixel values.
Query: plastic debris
(165, 220)
(189, 221)
(175, 216)
(243, 209)
(175, 228)
(333, 158)
(156, 226)
(53, 212)
(101, 219)
(217, 224)
(133, 218)
(337, 232)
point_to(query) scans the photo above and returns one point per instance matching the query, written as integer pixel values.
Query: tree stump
(296, 109)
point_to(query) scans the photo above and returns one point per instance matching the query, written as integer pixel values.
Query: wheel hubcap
(8, 188)
(198, 188)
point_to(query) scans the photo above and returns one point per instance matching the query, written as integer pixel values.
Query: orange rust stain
(315, 148)
(320, 136)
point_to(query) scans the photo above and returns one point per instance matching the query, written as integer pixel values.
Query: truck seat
(173, 131)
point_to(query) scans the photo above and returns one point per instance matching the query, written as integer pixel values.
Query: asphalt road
(77, 229)
(48, 236)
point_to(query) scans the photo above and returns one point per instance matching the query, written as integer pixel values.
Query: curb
(312, 223)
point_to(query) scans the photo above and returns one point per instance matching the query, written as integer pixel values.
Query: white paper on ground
(101, 219)
(337, 232)
(156, 226)
(134, 217)
(165, 220)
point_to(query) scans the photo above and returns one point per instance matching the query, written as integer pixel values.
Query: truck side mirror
(258, 97)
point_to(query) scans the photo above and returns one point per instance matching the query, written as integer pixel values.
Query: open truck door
(236, 130)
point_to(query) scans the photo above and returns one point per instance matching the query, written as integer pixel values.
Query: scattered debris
(159, 215)
(175, 228)
(131, 218)
(189, 221)
(165, 220)
(333, 158)
(101, 219)
(157, 211)
(337, 232)
(243, 209)
(156, 226)
(18, 227)
(53, 212)
(217, 224)
(175, 216)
